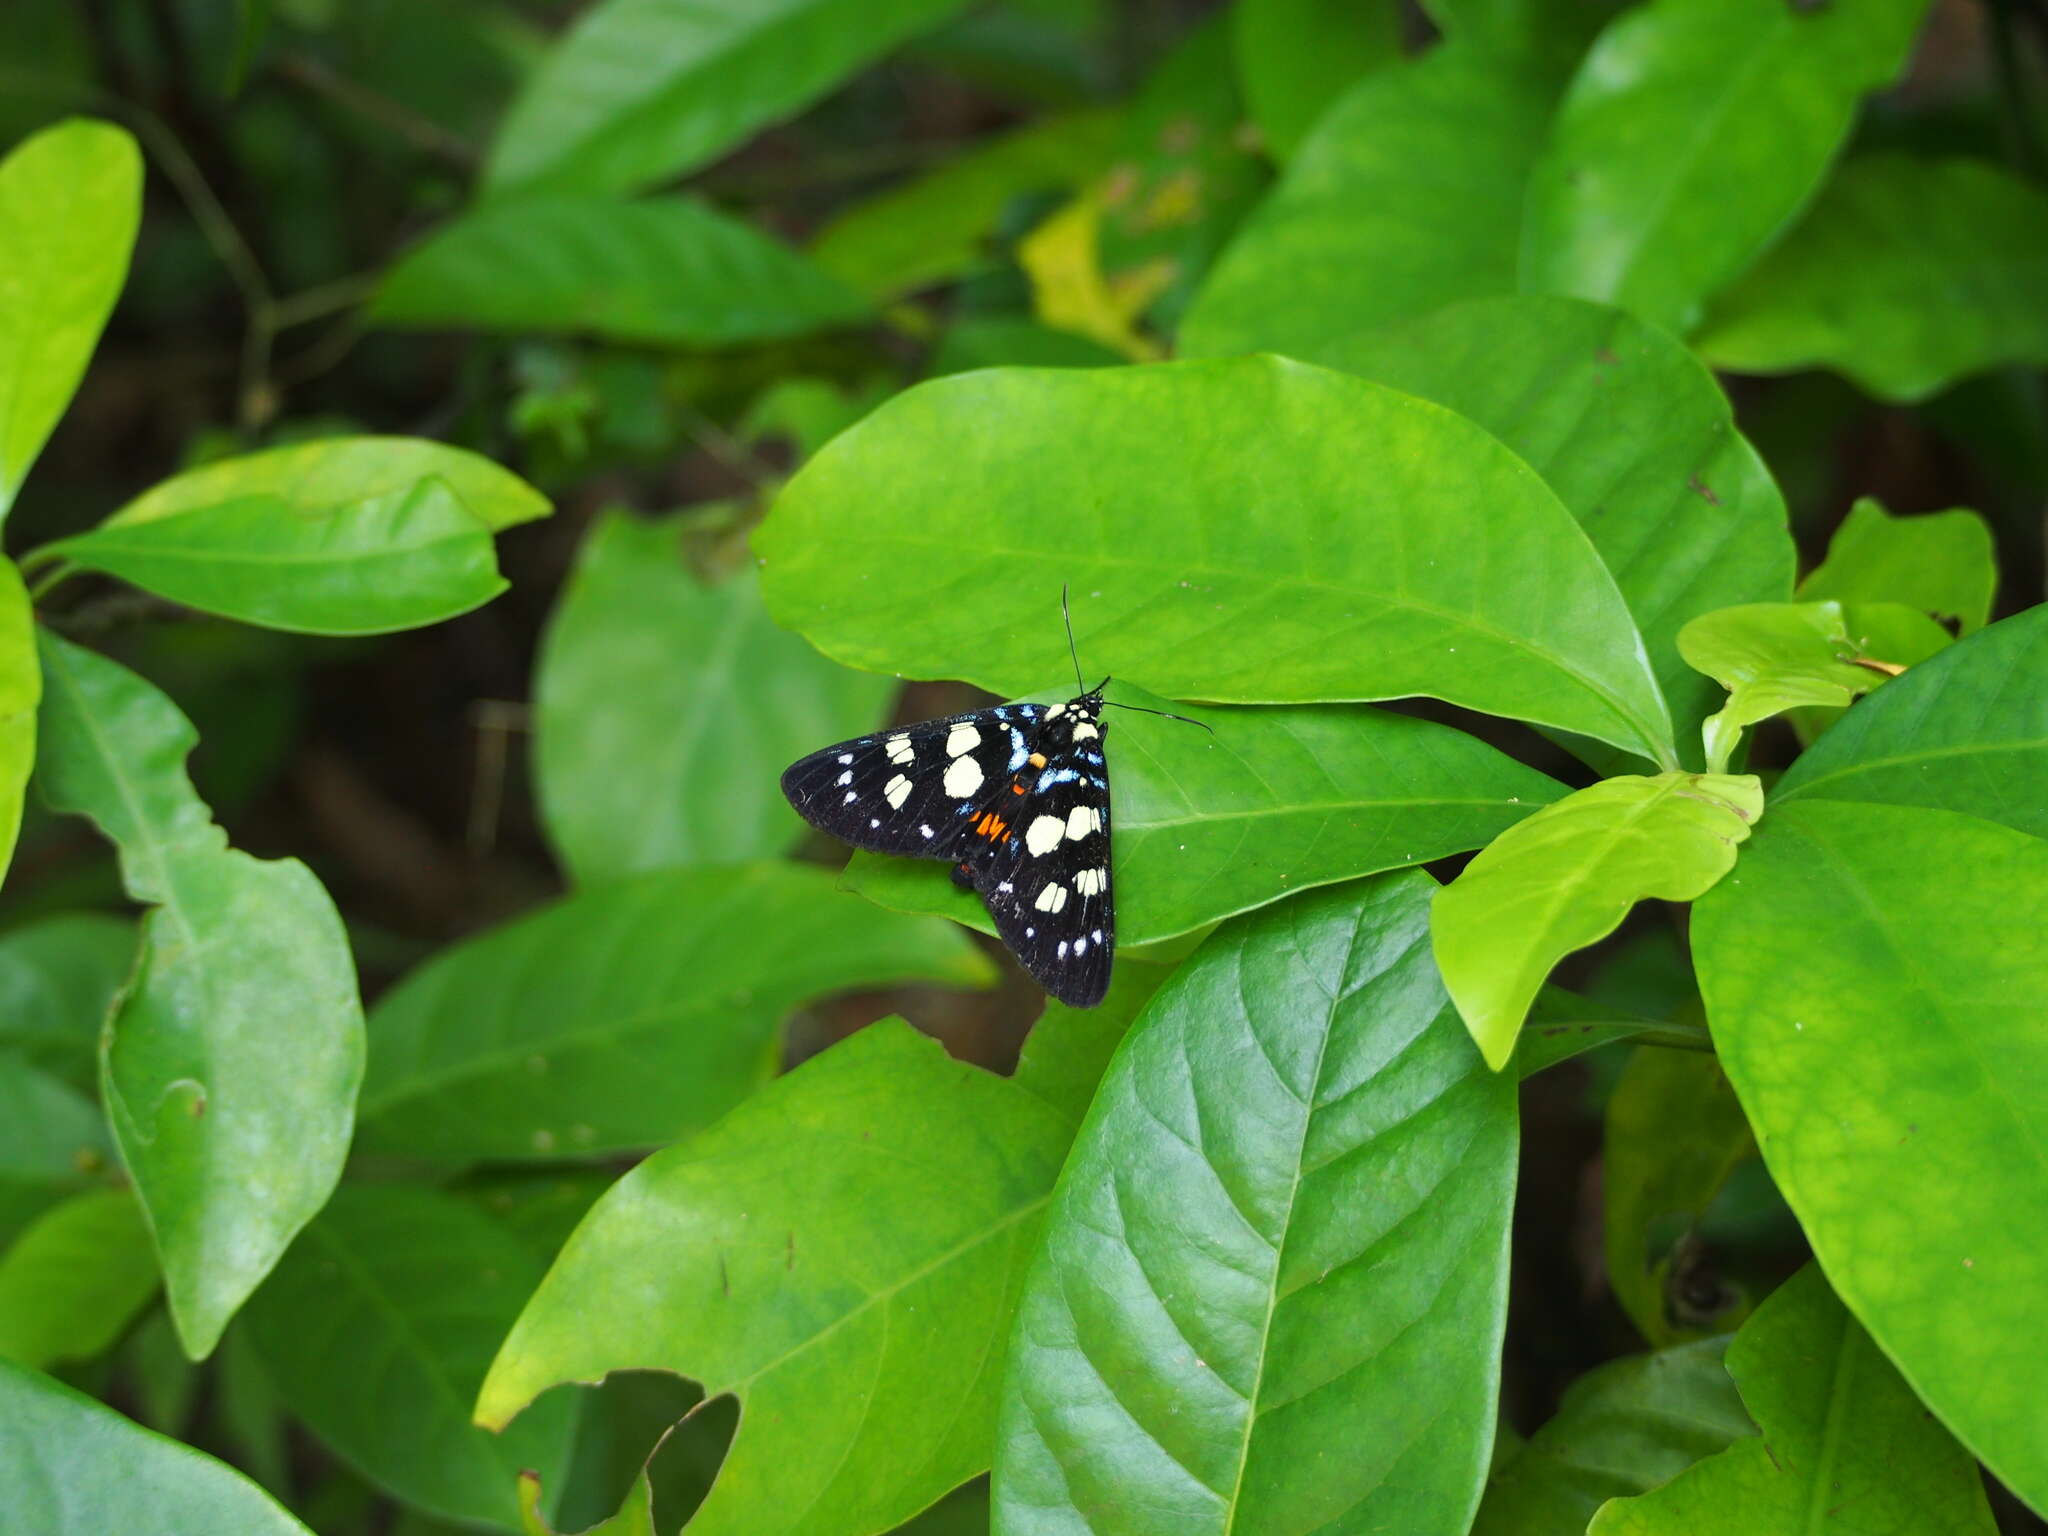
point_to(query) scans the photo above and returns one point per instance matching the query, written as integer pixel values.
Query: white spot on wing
(1080, 948)
(896, 791)
(1043, 835)
(845, 778)
(899, 749)
(1092, 882)
(1052, 899)
(850, 798)
(845, 757)
(1083, 731)
(962, 738)
(963, 778)
(1083, 821)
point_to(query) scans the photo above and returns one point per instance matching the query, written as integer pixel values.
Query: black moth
(1016, 796)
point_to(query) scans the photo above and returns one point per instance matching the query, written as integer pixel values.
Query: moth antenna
(1068, 614)
(1163, 714)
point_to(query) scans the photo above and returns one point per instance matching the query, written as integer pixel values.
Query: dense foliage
(1578, 1050)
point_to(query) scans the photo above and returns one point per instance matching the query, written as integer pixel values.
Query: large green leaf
(1621, 1429)
(1878, 987)
(70, 201)
(229, 1068)
(841, 1252)
(1274, 802)
(1631, 432)
(1295, 57)
(642, 90)
(1845, 1444)
(53, 1140)
(1272, 1285)
(1906, 276)
(1941, 563)
(666, 709)
(628, 1014)
(938, 226)
(668, 271)
(312, 479)
(1693, 133)
(1966, 731)
(21, 686)
(58, 977)
(75, 1278)
(398, 561)
(1568, 875)
(1244, 530)
(376, 1330)
(1556, 28)
(1674, 1134)
(1406, 197)
(70, 1464)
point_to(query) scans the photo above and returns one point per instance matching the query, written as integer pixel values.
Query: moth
(1016, 797)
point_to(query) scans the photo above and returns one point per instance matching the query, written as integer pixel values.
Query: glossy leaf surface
(74, 1279)
(666, 709)
(1281, 533)
(1271, 1289)
(1883, 1024)
(1568, 875)
(626, 1015)
(239, 1043)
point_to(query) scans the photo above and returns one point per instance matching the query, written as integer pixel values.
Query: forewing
(913, 789)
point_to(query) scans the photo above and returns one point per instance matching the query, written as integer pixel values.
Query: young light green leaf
(70, 201)
(1882, 1021)
(58, 977)
(665, 271)
(863, 1219)
(628, 1014)
(1621, 1429)
(1417, 175)
(1674, 1134)
(376, 1330)
(1175, 501)
(1633, 435)
(313, 478)
(229, 1068)
(1965, 731)
(21, 686)
(74, 1279)
(1941, 563)
(1906, 276)
(1568, 875)
(414, 557)
(1841, 1433)
(1274, 802)
(640, 91)
(666, 709)
(71, 1464)
(1693, 133)
(1296, 57)
(1271, 1288)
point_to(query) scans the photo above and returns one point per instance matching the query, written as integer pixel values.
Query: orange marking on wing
(1017, 788)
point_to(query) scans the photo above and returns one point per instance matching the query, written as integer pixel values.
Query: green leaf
(862, 1220)
(70, 201)
(1693, 133)
(1772, 657)
(1271, 1288)
(1245, 530)
(75, 1279)
(229, 1069)
(1941, 563)
(1881, 1020)
(1621, 1429)
(665, 271)
(1001, 342)
(1844, 1442)
(1069, 1049)
(53, 1139)
(400, 561)
(1562, 1025)
(1906, 276)
(1274, 802)
(665, 710)
(1417, 176)
(71, 1464)
(628, 1014)
(640, 91)
(377, 1328)
(21, 687)
(635, 1516)
(1674, 1134)
(1633, 435)
(313, 479)
(58, 977)
(1568, 875)
(938, 226)
(1296, 57)
(1965, 731)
